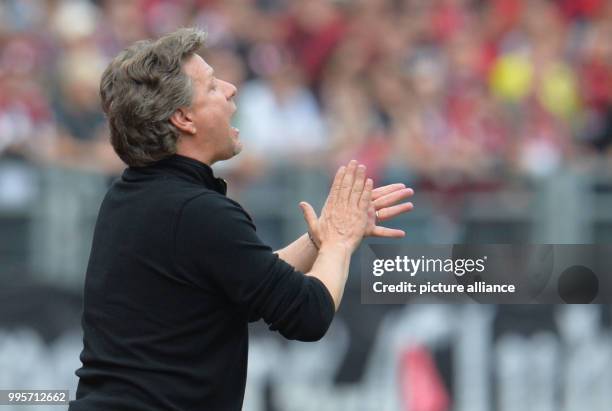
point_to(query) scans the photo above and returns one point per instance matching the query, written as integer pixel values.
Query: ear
(182, 119)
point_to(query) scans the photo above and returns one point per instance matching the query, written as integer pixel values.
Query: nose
(231, 90)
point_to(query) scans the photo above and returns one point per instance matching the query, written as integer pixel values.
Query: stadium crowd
(444, 92)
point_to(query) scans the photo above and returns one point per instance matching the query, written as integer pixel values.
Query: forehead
(198, 69)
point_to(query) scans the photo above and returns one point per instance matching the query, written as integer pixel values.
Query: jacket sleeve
(217, 247)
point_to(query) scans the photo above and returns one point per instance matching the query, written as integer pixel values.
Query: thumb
(309, 215)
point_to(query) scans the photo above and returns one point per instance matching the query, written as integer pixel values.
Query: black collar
(184, 167)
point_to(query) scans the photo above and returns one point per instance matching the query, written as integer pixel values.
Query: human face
(211, 111)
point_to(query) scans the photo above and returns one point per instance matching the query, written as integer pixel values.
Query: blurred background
(498, 113)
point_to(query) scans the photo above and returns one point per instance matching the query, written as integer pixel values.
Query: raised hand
(347, 211)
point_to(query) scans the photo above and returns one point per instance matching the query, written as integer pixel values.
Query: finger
(381, 191)
(335, 188)
(392, 198)
(358, 185)
(366, 197)
(309, 215)
(390, 212)
(371, 212)
(386, 232)
(347, 181)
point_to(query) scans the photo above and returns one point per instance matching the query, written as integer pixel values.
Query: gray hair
(140, 90)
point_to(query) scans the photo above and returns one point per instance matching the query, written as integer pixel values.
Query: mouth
(234, 130)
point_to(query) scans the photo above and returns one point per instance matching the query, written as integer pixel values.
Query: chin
(237, 149)
(233, 152)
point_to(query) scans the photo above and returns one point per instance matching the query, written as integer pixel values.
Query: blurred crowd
(446, 92)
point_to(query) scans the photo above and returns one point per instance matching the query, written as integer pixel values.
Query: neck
(195, 154)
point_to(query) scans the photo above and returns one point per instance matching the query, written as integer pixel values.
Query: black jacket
(175, 273)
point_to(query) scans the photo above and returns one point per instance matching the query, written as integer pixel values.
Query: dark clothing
(175, 273)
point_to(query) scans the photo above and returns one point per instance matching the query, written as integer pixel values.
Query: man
(176, 270)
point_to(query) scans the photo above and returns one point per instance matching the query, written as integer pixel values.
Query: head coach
(176, 269)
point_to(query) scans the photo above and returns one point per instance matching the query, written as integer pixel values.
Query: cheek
(209, 121)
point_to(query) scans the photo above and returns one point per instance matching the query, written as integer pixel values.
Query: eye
(213, 85)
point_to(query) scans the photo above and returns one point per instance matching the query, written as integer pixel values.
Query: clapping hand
(385, 203)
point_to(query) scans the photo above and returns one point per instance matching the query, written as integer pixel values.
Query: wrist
(336, 247)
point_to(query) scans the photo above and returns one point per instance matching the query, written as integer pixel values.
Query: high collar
(186, 168)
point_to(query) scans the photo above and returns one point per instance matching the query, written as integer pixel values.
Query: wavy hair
(140, 90)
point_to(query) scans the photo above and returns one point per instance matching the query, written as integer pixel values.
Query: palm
(384, 201)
